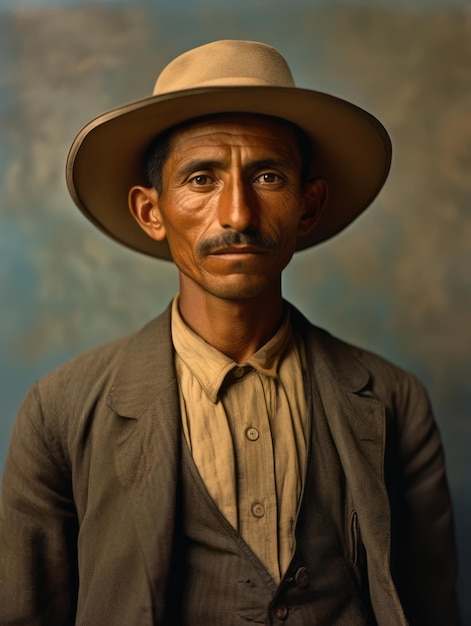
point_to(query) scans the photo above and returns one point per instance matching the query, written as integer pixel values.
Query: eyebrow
(278, 161)
(197, 164)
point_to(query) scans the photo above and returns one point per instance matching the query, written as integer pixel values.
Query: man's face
(232, 204)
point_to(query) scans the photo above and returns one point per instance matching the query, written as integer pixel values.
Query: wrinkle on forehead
(239, 119)
(244, 132)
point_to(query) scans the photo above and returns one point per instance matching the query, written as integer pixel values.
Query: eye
(201, 180)
(268, 178)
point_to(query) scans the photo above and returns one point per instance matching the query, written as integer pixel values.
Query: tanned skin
(232, 205)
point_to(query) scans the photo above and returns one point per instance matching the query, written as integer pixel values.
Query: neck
(237, 328)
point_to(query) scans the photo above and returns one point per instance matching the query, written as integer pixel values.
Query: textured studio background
(396, 282)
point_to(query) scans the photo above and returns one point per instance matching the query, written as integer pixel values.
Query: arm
(38, 525)
(423, 548)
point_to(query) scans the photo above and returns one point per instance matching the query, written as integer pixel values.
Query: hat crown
(228, 63)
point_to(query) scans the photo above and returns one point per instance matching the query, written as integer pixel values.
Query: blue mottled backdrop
(396, 282)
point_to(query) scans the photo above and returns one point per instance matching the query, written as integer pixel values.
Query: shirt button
(258, 509)
(239, 371)
(302, 577)
(252, 434)
(280, 611)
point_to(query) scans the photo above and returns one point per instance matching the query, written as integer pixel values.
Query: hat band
(232, 81)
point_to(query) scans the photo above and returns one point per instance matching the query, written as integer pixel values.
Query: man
(229, 463)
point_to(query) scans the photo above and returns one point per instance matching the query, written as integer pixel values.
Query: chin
(238, 289)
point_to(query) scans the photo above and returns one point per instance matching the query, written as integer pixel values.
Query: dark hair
(158, 151)
(155, 157)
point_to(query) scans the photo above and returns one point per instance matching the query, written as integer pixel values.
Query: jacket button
(280, 611)
(302, 577)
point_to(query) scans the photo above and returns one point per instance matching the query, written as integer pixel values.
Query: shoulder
(341, 369)
(80, 387)
(362, 369)
(99, 364)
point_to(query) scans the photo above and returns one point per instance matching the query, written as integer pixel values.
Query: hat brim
(351, 147)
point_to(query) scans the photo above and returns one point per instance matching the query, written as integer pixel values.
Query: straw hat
(352, 149)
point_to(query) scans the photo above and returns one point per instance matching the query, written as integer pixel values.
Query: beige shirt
(245, 425)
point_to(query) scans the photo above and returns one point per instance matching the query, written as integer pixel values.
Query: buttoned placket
(254, 452)
(245, 434)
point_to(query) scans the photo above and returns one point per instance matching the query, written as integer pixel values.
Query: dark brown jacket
(89, 489)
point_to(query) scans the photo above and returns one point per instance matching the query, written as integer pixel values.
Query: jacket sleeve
(424, 560)
(38, 525)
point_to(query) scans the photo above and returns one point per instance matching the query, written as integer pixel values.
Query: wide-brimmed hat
(352, 149)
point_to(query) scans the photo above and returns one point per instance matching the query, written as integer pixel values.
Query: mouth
(238, 249)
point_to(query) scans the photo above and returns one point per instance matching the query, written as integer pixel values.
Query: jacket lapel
(357, 421)
(147, 452)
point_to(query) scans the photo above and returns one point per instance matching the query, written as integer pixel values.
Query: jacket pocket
(354, 538)
(357, 549)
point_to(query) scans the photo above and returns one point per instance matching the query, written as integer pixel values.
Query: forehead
(235, 129)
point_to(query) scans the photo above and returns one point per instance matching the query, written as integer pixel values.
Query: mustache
(232, 237)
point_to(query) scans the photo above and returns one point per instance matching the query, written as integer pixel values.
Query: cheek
(183, 203)
(181, 242)
(185, 214)
(183, 234)
(284, 214)
(183, 256)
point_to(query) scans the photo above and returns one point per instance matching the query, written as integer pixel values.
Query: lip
(238, 249)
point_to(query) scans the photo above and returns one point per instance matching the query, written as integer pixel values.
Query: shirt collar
(211, 367)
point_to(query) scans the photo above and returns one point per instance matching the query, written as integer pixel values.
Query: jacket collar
(146, 371)
(333, 354)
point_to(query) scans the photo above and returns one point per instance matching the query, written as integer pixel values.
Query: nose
(237, 206)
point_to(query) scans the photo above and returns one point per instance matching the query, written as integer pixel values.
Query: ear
(315, 198)
(143, 203)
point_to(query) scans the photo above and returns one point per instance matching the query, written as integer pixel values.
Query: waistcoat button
(280, 611)
(302, 577)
